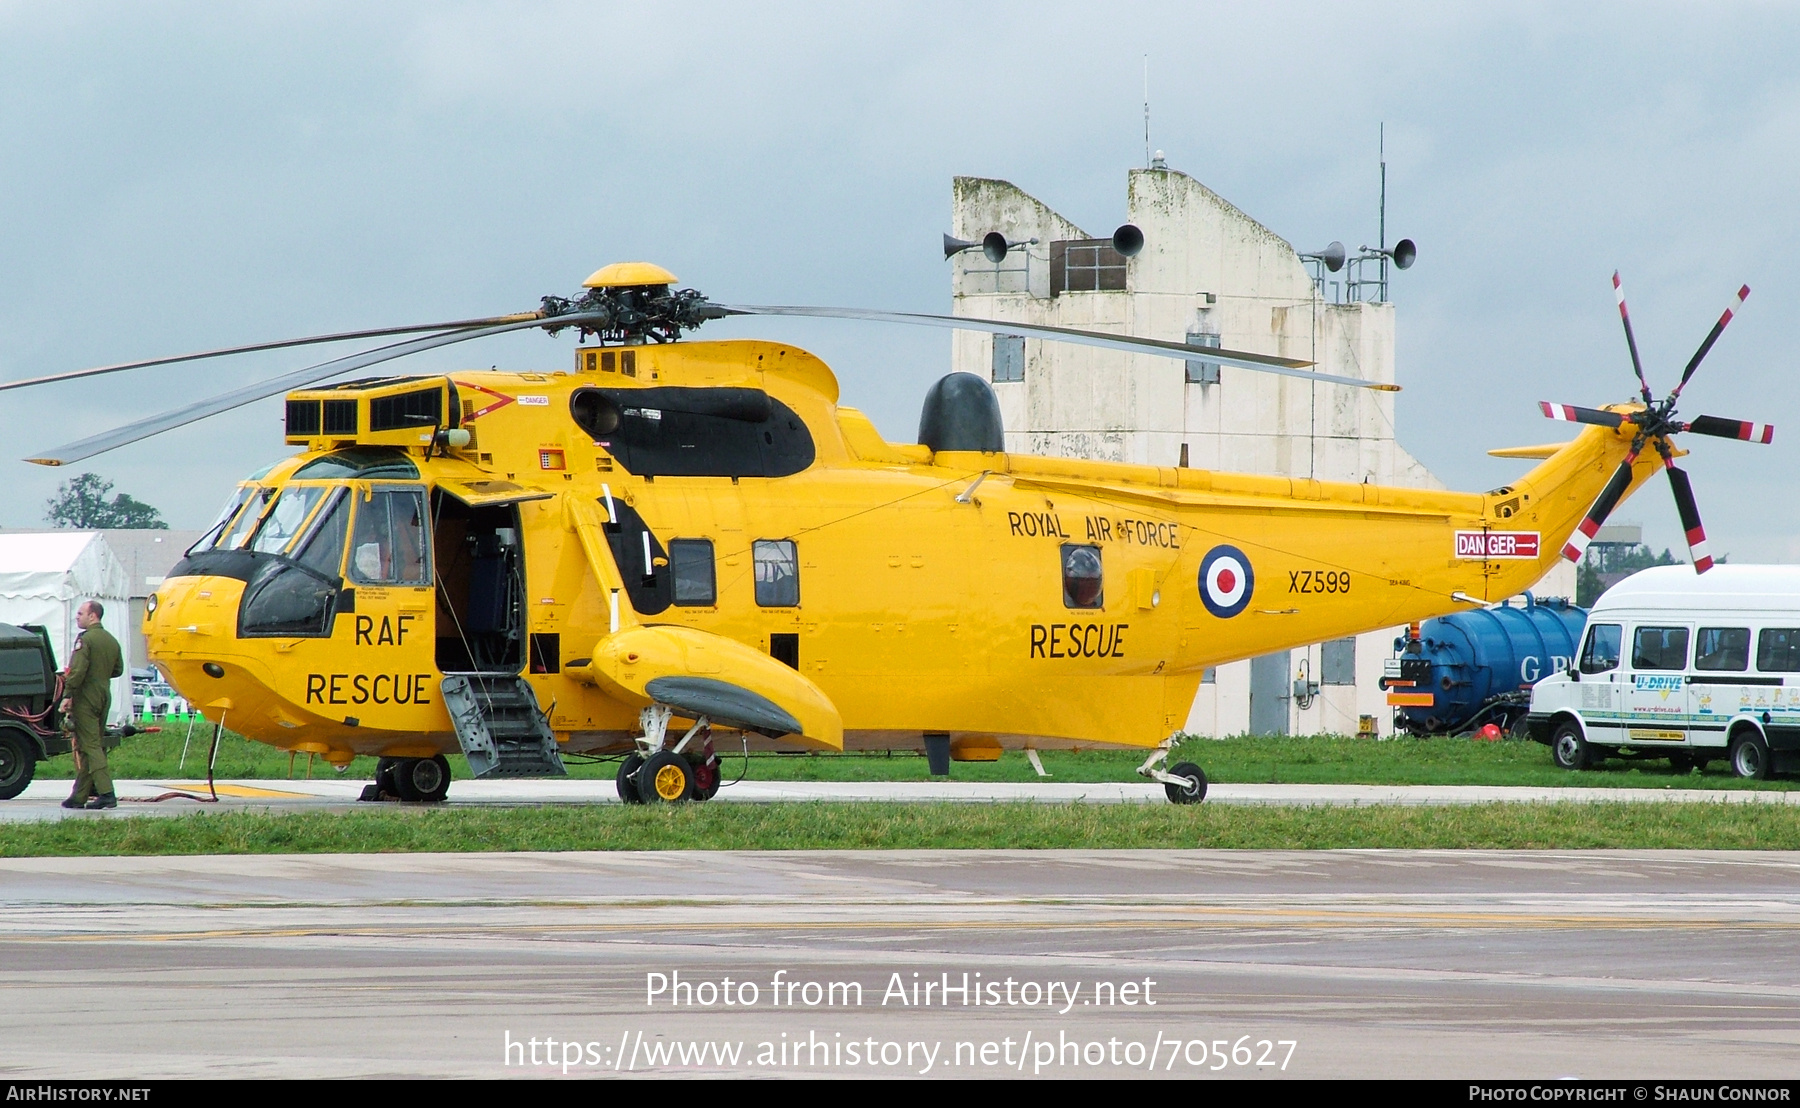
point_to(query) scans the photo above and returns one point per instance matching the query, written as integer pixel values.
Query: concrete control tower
(1207, 274)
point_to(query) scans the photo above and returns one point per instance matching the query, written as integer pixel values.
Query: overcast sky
(179, 176)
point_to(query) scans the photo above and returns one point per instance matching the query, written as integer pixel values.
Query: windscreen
(286, 518)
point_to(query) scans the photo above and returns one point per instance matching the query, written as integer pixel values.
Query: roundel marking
(1226, 581)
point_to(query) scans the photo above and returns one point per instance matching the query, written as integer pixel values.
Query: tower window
(1085, 265)
(1009, 358)
(1202, 373)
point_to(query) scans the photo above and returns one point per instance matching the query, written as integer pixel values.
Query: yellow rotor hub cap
(627, 275)
(670, 783)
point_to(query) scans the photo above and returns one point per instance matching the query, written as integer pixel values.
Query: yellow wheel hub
(670, 783)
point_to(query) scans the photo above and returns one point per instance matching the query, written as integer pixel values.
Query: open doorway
(480, 587)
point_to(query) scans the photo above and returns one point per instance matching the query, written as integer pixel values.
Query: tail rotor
(1654, 426)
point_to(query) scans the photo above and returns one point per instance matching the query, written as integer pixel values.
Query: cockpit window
(324, 550)
(222, 521)
(284, 521)
(246, 521)
(369, 463)
(388, 546)
(1082, 577)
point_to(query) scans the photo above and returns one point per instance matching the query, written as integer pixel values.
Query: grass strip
(1294, 760)
(868, 826)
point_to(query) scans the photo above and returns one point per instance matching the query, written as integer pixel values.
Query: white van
(1688, 666)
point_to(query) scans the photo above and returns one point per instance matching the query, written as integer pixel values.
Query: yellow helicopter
(669, 537)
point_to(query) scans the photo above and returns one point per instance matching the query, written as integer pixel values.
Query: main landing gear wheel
(1192, 794)
(1749, 755)
(627, 779)
(424, 780)
(665, 778)
(1569, 749)
(385, 787)
(18, 763)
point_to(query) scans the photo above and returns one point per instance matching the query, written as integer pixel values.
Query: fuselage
(1000, 599)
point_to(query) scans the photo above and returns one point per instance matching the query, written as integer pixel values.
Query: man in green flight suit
(87, 695)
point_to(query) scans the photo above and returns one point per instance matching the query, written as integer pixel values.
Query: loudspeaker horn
(1128, 240)
(1404, 253)
(1333, 256)
(993, 246)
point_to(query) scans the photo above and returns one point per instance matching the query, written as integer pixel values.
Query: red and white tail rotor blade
(1637, 366)
(1732, 429)
(1712, 336)
(1690, 517)
(1570, 413)
(1608, 500)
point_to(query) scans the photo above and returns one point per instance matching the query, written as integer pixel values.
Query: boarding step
(502, 731)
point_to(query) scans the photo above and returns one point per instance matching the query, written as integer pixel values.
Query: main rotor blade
(1608, 500)
(1570, 413)
(274, 386)
(1732, 429)
(1690, 516)
(1130, 344)
(1631, 340)
(283, 344)
(1712, 336)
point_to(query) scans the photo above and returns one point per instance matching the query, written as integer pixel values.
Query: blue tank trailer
(1460, 672)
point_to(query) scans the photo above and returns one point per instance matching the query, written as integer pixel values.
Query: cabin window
(1337, 662)
(777, 573)
(1659, 648)
(324, 551)
(1601, 653)
(1081, 577)
(1778, 650)
(284, 521)
(388, 547)
(692, 561)
(1722, 649)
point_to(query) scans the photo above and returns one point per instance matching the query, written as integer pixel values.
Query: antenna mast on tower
(1381, 152)
(1146, 111)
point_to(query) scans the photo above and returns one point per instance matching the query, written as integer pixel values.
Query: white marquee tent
(45, 576)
